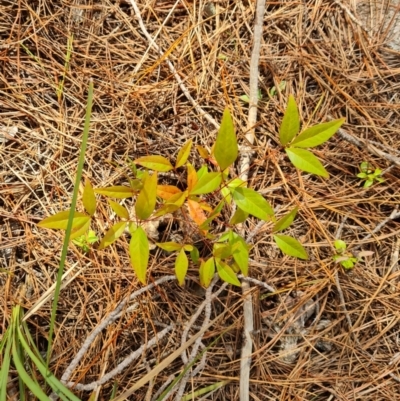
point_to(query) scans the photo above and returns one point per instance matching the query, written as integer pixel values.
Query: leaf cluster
(369, 175)
(230, 253)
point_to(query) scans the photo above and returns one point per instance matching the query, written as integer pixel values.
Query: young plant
(295, 144)
(368, 175)
(86, 241)
(208, 195)
(347, 259)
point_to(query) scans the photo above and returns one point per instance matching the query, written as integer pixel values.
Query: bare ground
(333, 64)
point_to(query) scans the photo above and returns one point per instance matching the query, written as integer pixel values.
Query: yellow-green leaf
(181, 266)
(88, 198)
(169, 246)
(119, 210)
(318, 134)
(117, 191)
(80, 230)
(290, 246)
(239, 216)
(285, 221)
(203, 152)
(290, 123)
(112, 234)
(156, 163)
(304, 160)
(241, 254)
(139, 253)
(207, 183)
(183, 153)
(60, 220)
(226, 273)
(222, 251)
(172, 205)
(188, 247)
(206, 272)
(226, 148)
(252, 202)
(146, 200)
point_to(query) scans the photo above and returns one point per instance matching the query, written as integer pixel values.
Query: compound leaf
(139, 253)
(206, 272)
(226, 273)
(118, 191)
(112, 234)
(290, 123)
(209, 182)
(290, 246)
(226, 148)
(285, 221)
(317, 134)
(252, 202)
(119, 210)
(169, 246)
(60, 220)
(304, 160)
(183, 153)
(146, 200)
(155, 162)
(181, 267)
(88, 198)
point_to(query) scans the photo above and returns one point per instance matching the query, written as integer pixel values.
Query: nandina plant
(226, 253)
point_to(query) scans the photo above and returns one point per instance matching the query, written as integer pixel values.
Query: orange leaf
(166, 191)
(192, 177)
(196, 212)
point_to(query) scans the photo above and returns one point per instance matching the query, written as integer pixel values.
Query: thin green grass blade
(6, 343)
(85, 136)
(28, 345)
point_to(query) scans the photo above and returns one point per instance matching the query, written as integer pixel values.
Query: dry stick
(207, 306)
(245, 361)
(172, 68)
(372, 149)
(106, 321)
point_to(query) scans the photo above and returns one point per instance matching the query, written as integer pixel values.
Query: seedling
(209, 194)
(86, 241)
(346, 259)
(368, 175)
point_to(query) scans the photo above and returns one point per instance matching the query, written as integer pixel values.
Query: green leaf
(206, 272)
(318, 134)
(290, 246)
(79, 230)
(195, 255)
(252, 202)
(241, 254)
(112, 234)
(340, 245)
(119, 210)
(183, 153)
(285, 221)
(209, 182)
(202, 170)
(290, 123)
(181, 267)
(215, 213)
(60, 220)
(304, 160)
(239, 216)
(188, 247)
(226, 273)
(118, 191)
(154, 162)
(146, 200)
(88, 198)
(222, 251)
(139, 253)
(226, 148)
(169, 246)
